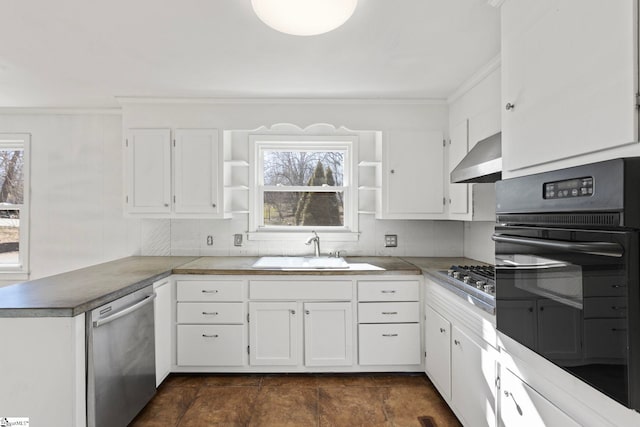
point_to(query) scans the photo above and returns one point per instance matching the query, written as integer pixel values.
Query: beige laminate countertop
(76, 292)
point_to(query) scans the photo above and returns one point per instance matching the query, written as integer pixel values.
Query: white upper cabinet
(148, 154)
(412, 175)
(569, 79)
(166, 180)
(196, 171)
(458, 147)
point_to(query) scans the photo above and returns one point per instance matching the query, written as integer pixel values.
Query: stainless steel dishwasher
(120, 359)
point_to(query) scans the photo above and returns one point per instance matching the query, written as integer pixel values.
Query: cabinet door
(438, 350)
(473, 380)
(162, 309)
(413, 174)
(273, 333)
(569, 67)
(328, 334)
(148, 153)
(458, 193)
(520, 405)
(196, 171)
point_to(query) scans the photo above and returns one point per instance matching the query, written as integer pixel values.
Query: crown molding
(476, 78)
(127, 100)
(61, 111)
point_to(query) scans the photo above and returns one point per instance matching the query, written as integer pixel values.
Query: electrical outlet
(237, 240)
(390, 240)
(209, 240)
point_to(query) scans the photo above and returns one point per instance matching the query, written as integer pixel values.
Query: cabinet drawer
(388, 312)
(211, 312)
(211, 345)
(369, 290)
(210, 290)
(390, 344)
(291, 290)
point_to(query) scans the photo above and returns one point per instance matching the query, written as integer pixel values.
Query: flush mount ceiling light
(304, 17)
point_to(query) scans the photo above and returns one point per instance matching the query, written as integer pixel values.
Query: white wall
(188, 237)
(76, 190)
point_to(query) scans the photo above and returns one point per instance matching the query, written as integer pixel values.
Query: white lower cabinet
(211, 345)
(211, 323)
(389, 322)
(459, 359)
(390, 344)
(473, 379)
(162, 309)
(438, 350)
(521, 405)
(275, 330)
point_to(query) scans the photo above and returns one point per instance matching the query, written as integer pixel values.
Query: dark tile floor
(295, 400)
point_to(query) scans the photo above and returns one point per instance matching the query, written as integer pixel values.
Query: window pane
(303, 209)
(11, 176)
(303, 167)
(9, 236)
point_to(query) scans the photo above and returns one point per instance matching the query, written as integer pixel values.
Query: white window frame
(20, 271)
(261, 143)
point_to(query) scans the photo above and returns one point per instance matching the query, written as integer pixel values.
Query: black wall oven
(567, 275)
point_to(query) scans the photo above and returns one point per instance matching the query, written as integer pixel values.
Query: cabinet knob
(393, 171)
(166, 205)
(442, 330)
(456, 342)
(307, 312)
(509, 106)
(213, 205)
(293, 312)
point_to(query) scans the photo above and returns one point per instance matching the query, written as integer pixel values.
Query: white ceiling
(80, 53)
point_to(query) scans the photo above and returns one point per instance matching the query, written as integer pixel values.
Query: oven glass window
(560, 295)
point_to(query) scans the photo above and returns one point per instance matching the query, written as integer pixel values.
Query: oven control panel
(568, 188)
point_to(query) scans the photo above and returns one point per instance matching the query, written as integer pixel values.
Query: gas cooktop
(475, 283)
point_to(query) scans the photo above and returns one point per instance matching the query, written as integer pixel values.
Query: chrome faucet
(316, 243)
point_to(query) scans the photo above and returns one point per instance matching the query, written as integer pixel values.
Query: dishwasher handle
(125, 311)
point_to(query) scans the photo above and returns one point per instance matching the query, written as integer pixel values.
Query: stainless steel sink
(300, 263)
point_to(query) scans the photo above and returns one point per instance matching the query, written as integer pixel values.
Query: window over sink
(303, 183)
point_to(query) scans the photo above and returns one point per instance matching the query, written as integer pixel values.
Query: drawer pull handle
(206, 291)
(618, 329)
(443, 330)
(389, 312)
(210, 336)
(613, 307)
(389, 292)
(389, 335)
(210, 313)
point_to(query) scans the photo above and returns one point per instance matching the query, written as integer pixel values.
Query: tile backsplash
(189, 237)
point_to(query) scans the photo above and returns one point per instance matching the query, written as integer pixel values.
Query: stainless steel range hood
(482, 164)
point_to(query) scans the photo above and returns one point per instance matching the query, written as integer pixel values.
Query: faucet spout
(315, 239)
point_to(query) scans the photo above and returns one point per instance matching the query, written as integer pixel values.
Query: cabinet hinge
(126, 199)
(498, 383)
(444, 201)
(638, 100)
(174, 199)
(425, 354)
(174, 142)
(248, 351)
(444, 142)
(126, 142)
(247, 317)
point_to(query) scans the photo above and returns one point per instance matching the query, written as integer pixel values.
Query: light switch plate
(237, 240)
(390, 240)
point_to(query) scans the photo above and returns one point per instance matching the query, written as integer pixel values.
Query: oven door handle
(592, 248)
